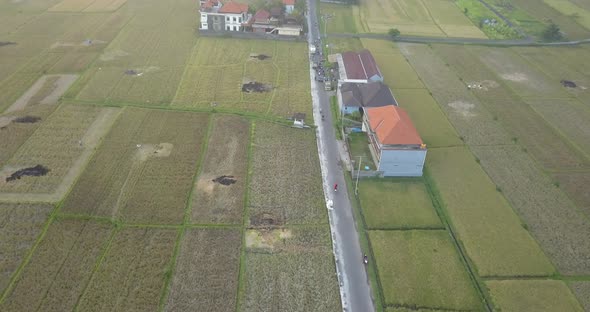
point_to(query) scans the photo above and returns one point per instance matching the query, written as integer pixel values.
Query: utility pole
(358, 174)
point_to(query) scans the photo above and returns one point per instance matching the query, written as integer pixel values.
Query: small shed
(299, 120)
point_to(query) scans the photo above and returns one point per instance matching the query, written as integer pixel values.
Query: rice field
(437, 18)
(227, 148)
(60, 268)
(278, 262)
(392, 204)
(214, 81)
(562, 232)
(21, 224)
(511, 112)
(62, 144)
(285, 183)
(87, 6)
(490, 231)
(532, 295)
(131, 273)
(206, 275)
(422, 269)
(144, 169)
(582, 292)
(472, 121)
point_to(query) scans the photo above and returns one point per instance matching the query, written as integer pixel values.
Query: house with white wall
(218, 16)
(394, 142)
(289, 6)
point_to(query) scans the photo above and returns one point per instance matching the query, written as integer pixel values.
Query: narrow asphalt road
(355, 289)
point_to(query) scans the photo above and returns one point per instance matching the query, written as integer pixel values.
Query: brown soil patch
(225, 180)
(46, 91)
(112, 55)
(463, 108)
(266, 239)
(257, 87)
(36, 171)
(6, 43)
(265, 219)
(260, 57)
(518, 77)
(145, 151)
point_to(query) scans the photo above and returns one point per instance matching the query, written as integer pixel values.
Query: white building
(289, 6)
(218, 16)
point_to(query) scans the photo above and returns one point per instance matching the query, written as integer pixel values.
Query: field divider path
(186, 220)
(245, 217)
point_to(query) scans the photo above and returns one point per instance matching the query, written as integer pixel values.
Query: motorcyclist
(365, 259)
(336, 187)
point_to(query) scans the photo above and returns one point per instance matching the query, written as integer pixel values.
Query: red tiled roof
(209, 4)
(261, 15)
(392, 125)
(360, 65)
(289, 2)
(234, 8)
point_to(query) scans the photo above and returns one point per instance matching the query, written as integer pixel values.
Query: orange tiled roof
(234, 8)
(289, 2)
(392, 125)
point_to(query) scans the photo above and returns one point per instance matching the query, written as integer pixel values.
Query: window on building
(227, 27)
(235, 19)
(239, 19)
(227, 18)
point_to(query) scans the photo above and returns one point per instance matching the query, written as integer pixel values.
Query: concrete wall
(402, 163)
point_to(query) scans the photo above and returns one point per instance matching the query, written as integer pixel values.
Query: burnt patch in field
(37, 171)
(6, 43)
(266, 220)
(27, 119)
(568, 84)
(254, 86)
(225, 180)
(132, 72)
(260, 57)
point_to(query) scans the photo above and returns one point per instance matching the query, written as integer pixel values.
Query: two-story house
(218, 16)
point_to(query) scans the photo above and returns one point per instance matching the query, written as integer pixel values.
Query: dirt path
(99, 128)
(60, 86)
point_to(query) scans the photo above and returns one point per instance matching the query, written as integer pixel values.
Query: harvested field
(563, 231)
(299, 276)
(131, 274)
(391, 204)
(207, 269)
(582, 292)
(87, 6)
(60, 268)
(470, 118)
(532, 295)
(14, 134)
(422, 269)
(62, 144)
(144, 168)
(20, 224)
(286, 182)
(434, 127)
(232, 80)
(575, 185)
(46, 91)
(545, 145)
(227, 154)
(569, 116)
(485, 223)
(519, 75)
